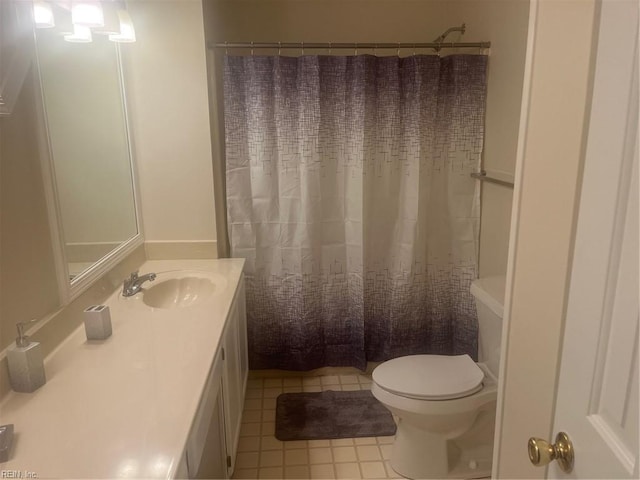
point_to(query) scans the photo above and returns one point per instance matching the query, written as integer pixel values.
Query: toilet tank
(489, 296)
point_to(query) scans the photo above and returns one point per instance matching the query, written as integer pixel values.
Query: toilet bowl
(445, 405)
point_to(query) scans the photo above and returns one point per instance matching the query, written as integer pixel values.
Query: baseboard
(186, 250)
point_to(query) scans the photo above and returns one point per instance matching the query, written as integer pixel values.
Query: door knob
(542, 452)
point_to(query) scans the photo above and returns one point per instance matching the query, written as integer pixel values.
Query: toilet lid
(430, 377)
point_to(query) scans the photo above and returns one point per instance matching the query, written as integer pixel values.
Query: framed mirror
(92, 169)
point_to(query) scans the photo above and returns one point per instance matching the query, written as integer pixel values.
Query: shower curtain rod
(438, 44)
(350, 46)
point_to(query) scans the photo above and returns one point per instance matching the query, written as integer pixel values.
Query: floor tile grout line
(260, 432)
(278, 383)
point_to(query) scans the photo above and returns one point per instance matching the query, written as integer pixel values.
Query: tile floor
(261, 455)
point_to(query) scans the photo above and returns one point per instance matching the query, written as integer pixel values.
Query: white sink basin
(181, 292)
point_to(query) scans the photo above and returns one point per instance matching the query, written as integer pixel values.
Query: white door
(597, 398)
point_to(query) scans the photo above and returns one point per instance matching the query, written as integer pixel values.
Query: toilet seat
(430, 377)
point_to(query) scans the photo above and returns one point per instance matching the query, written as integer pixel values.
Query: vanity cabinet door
(212, 444)
(235, 371)
(233, 398)
(205, 451)
(214, 458)
(242, 335)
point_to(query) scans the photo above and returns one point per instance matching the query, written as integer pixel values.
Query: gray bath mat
(329, 414)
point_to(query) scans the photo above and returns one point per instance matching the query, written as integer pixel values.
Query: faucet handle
(128, 282)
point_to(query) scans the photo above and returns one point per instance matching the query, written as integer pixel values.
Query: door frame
(557, 90)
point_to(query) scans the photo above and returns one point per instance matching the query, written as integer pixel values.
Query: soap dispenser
(26, 364)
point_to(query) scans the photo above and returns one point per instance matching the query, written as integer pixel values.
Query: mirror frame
(68, 289)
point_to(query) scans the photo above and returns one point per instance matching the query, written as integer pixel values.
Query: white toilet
(446, 405)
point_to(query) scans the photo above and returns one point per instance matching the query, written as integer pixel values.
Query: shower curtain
(349, 196)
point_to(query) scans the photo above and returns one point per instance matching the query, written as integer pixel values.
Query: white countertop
(123, 407)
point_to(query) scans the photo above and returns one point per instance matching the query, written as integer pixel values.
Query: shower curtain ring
(414, 49)
(252, 49)
(303, 49)
(226, 48)
(329, 48)
(355, 52)
(375, 47)
(398, 52)
(279, 48)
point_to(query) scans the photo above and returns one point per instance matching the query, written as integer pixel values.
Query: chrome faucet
(133, 284)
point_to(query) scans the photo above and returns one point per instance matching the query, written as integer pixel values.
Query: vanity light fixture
(87, 13)
(111, 20)
(81, 34)
(78, 20)
(43, 15)
(64, 25)
(127, 32)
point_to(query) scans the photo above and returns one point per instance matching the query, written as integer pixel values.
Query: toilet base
(408, 456)
(420, 454)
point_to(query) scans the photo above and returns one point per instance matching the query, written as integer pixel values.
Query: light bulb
(43, 15)
(80, 34)
(87, 14)
(127, 32)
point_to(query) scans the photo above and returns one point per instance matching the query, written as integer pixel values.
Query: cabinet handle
(223, 354)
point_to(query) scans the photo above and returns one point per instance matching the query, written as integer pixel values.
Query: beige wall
(502, 22)
(326, 20)
(28, 282)
(167, 88)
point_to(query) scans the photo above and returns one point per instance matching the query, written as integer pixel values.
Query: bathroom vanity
(167, 386)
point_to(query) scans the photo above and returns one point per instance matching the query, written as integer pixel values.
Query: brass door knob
(542, 452)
